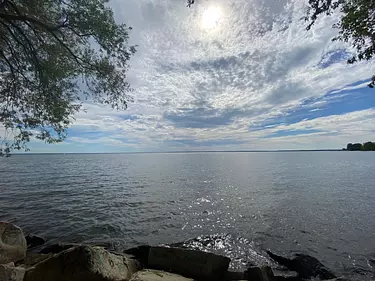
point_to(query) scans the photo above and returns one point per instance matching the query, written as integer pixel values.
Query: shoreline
(29, 258)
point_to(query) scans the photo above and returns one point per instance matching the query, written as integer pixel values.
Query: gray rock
(10, 264)
(83, 263)
(34, 258)
(8, 272)
(338, 279)
(189, 263)
(305, 265)
(282, 275)
(12, 243)
(263, 273)
(235, 275)
(57, 248)
(157, 275)
(288, 278)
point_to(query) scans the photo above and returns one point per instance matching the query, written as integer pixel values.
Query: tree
(354, 147)
(53, 54)
(356, 24)
(368, 146)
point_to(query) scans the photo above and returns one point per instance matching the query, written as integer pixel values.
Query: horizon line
(192, 151)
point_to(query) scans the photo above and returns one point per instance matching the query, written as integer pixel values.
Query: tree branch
(14, 57)
(29, 43)
(9, 64)
(24, 18)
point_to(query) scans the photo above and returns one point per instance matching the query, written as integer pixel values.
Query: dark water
(239, 204)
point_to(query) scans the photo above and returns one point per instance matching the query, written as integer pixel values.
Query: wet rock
(256, 273)
(189, 263)
(8, 272)
(57, 248)
(157, 275)
(140, 253)
(34, 241)
(12, 243)
(83, 263)
(305, 265)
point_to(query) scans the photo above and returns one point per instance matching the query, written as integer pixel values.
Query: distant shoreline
(182, 152)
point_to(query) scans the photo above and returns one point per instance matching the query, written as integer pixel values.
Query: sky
(230, 75)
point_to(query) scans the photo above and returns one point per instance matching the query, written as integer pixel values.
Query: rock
(34, 241)
(263, 273)
(282, 275)
(235, 275)
(34, 258)
(189, 263)
(8, 272)
(288, 278)
(140, 253)
(157, 275)
(83, 263)
(305, 265)
(338, 279)
(12, 243)
(57, 248)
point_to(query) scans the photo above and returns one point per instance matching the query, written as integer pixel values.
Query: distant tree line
(367, 146)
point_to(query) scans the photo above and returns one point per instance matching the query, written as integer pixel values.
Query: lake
(237, 204)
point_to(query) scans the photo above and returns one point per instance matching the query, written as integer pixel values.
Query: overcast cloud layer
(256, 80)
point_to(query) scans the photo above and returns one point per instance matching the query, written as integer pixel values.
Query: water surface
(239, 204)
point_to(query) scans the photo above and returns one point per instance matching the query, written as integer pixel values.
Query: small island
(367, 146)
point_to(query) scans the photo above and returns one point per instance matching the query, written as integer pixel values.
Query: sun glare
(211, 17)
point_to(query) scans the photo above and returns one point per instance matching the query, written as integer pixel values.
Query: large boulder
(83, 263)
(157, 275)
(8, 272)
(189, 263)
(305, 265)
(12, 243)
(256, 273)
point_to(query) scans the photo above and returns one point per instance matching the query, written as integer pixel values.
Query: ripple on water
(317, 203)
(240, 250)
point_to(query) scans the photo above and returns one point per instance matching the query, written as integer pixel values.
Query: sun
(211, 17)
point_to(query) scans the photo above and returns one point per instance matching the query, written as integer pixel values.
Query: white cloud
(202, 84)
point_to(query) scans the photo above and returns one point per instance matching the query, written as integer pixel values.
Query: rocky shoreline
(25, 259)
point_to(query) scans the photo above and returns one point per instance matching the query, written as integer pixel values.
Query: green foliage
(367, 146)
(355, 26)
(53, 54)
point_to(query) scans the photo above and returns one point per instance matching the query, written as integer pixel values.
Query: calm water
(239, 204)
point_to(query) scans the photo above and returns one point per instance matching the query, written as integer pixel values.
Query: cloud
(258, 80)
